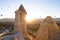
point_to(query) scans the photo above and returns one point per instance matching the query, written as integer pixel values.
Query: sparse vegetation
(6, 25)
(32, 28)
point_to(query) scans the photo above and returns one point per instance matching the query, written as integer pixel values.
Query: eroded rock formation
(20, 22)
(48, 29)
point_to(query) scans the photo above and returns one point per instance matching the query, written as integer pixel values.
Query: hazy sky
(34, 8)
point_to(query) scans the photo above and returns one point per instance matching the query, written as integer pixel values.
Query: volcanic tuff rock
(48, 29)
(20, 22)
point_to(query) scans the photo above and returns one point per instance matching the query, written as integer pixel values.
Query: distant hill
(57, 19)
(33, 21)
(7, 20)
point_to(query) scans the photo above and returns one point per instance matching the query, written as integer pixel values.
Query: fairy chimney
(47, 30)
(20, 20)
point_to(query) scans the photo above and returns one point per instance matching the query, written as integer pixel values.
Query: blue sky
(34, 8)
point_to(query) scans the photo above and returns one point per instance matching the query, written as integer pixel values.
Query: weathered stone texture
(20, 22)
(47, 30)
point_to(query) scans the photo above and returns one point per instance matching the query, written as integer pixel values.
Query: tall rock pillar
(20, 20)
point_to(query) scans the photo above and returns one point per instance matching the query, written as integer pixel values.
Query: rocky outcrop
(20, 22)
(48, 29)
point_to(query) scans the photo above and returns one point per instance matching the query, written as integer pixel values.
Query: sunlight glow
(29, 18)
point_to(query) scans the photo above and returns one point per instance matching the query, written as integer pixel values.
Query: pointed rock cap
(49, 19)
(22, 9)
